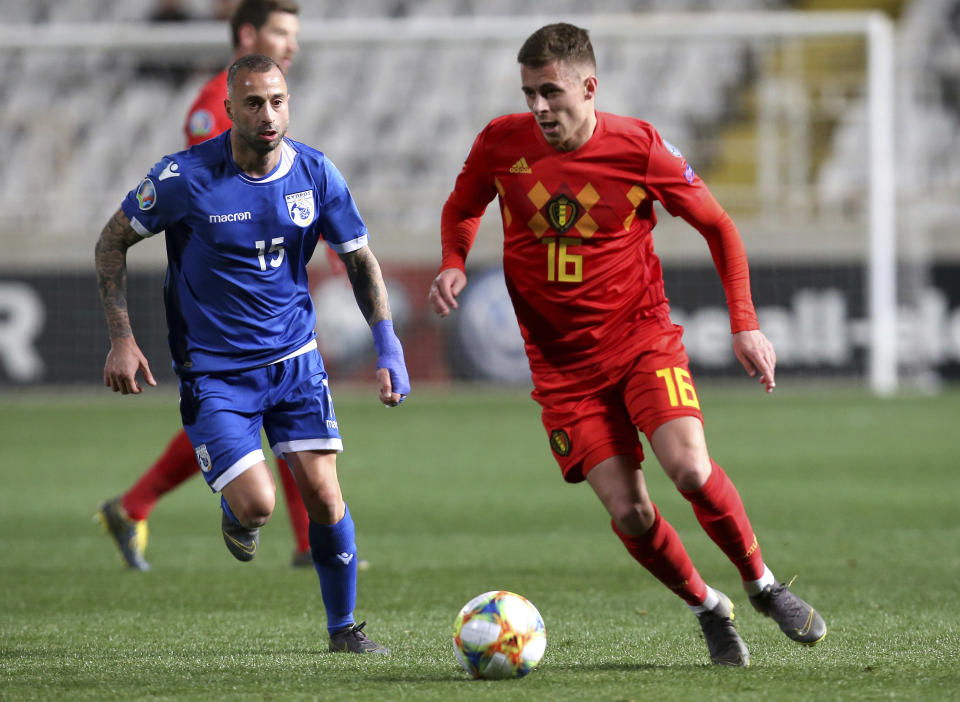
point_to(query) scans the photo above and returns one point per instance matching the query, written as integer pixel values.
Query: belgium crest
(560, 442)
(562, 213)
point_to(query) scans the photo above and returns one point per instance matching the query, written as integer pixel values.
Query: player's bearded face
(560, 96)
(260, 109)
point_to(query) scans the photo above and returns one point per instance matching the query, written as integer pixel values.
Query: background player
(267, 27)
(576, 190)
(242, 215)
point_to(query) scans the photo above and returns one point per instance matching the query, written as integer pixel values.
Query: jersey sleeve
(338, 218)
(460, 218)
(673, 181)
(160, 200)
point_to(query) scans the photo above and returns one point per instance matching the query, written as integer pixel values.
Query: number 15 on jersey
(276, 247)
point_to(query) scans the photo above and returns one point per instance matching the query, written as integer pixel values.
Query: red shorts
(593, 413)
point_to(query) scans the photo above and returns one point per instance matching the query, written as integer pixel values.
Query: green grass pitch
(454, 494)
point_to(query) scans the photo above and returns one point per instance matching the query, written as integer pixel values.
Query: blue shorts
(223, 414)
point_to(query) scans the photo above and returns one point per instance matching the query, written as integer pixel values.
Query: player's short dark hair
(257, 12)
(255, 63)
(557, 42)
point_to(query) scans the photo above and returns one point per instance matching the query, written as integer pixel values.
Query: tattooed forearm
(111, 264)
(368, 286)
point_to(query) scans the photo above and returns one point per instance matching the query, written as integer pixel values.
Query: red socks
(660, 551)
(177, 463)
(720, 511)
(299, 519)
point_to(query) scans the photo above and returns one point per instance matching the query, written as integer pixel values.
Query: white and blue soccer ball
(499, 635)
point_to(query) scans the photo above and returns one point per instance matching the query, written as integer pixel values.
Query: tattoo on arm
(111, 264)
(368, 286)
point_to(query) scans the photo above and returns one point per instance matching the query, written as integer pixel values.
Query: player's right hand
(444, 290)
(124, 361)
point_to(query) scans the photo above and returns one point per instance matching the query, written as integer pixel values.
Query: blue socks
(334, 552)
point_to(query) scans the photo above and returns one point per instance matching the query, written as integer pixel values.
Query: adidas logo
(520, 166)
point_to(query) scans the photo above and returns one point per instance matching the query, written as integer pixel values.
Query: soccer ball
(499, 635)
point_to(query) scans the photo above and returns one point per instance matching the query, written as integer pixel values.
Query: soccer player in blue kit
(243, 213)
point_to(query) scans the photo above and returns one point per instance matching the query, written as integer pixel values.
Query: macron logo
(232, 217)
(344, 557)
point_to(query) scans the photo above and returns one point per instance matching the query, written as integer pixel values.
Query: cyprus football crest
(300, 207)
(203, 458)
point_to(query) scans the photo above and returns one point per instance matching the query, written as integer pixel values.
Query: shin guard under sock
(334, 551)
(720, 511)
(660, 551)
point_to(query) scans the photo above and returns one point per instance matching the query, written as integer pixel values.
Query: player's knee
(255, 511)
(688, 469)
(258, 518)
(634, 517)
(324, 504)
(689, 472)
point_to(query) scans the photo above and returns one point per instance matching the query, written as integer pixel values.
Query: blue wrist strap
(390, 356)
(385, 339)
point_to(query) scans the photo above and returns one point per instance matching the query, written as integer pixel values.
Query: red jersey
(207, 117)
(578, 249)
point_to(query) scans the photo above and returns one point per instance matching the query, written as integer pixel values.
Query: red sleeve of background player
(207, 116)
(462, 211)
(672, 181)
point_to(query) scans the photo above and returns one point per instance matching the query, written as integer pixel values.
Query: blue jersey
(236, 290)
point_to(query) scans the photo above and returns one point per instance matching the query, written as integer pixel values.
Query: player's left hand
(756, 354)
(387, 396)
(391, 368)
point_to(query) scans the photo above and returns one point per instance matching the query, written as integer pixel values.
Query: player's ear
(589, 87)
(247, 37)
(229, 109)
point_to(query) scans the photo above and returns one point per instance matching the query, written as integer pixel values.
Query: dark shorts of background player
(223, 413)
(593, 413)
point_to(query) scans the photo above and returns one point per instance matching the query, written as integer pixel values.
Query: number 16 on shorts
(680, 390)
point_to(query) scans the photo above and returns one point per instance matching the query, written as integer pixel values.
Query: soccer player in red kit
(576, 189)
(266, 27)
(257, 27)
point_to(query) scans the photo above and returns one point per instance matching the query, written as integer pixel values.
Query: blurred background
(829, 130)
